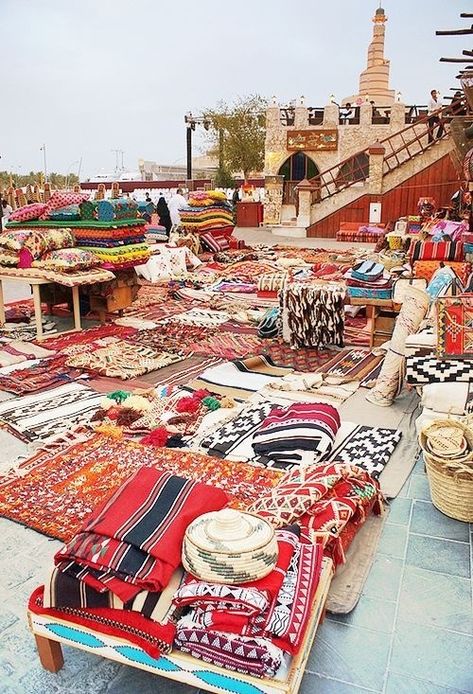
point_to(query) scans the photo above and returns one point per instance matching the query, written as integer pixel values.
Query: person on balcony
(346, 113)
(435, 116)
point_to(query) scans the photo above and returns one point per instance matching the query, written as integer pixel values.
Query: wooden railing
(399, 147)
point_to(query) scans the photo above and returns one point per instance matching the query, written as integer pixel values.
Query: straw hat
(229, 546)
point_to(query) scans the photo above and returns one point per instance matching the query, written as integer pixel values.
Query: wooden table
(373, 310)
(50, 632)
(35, 283)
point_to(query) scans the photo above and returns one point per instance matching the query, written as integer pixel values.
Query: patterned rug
(87, 336)
(38, 376)
(304, 359)
(367, 447)
(228, 345)
(359, 364)
(87, 473)
(49, 413)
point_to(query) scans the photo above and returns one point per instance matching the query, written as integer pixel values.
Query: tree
(239, 131)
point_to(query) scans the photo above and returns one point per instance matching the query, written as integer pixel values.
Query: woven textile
(421, 370)
(251, 656)
(413, 310)
(17, 351)
(171, 337)
(356, 364)
(227, 345)
(300, 427)
(425, 269)
(38, 376)
(85, 474)
(369, 448)
(234, 439)
(455, 327)
(298, 491)
(200, 317)
(51, 412)
(239, 378)
(313, 316)
(122, 360)
(154, 638)
(303, 359)
(84, 337)
(134, 539)
(440, 250)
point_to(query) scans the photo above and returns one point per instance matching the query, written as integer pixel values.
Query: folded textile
(251, 656)
(38, 375)
(421, 370)
(426, 268)
(304, 426)
(448, 398)
(367, 271)
(133, 541)
(432, 250)
(16, 351)
(310, 387)
(368, 293)
(153, 637)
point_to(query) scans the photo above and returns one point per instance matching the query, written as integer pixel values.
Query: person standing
(163, 212)
(176, 203)
(434, 116)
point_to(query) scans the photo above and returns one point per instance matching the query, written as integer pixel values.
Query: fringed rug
(39, 416)
(58, 492)
(359, 364)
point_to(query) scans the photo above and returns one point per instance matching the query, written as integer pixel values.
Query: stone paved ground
(411, 633)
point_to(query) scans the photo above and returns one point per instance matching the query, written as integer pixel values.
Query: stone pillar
(304, 192)
(376, 153)
(331, 116)
(301, 118)
(398, 116)
(366, 113)
(273, 193)
(272, 116)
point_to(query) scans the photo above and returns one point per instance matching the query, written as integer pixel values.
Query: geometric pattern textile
(455, 327)
(369, 448)
(421, 370)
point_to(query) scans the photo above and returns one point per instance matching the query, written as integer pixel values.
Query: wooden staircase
(345, 191)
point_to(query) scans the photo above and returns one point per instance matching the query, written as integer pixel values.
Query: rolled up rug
(389, 382)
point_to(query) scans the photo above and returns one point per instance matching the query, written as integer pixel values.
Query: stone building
(318, 160)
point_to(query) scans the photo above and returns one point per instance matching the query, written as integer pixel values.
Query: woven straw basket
(450, 470)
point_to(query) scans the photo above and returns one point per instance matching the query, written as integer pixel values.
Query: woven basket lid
(229, 532)
(446, 440)
(229, 546)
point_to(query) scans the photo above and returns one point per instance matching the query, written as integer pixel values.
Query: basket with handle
(448, 454)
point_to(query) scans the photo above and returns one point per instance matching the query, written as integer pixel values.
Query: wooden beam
(466, 15)
(455, 32)
(455, 60)
(465, 52)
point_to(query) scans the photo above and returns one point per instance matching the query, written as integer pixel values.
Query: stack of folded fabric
(362, 233)
(428, 256)
(248, 627)
(118, 574)
(107, 231)
(369, 280)
(300, 434)
(208, 212)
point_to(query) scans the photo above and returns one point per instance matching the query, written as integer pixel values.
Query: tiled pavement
(411, 633)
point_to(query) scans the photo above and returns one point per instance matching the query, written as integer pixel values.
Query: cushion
(367, 271)
(440, 250)
(41, 241)
(441, 283)
(67, 260)
(28, 212)
(214, 243)
(63, 199)
(14, 239)
(8, 257)
(71, 213)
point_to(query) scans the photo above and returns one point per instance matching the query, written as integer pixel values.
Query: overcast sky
(89, 76)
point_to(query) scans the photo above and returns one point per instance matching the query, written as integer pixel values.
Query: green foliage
(224, 179)
(244, 130)
(36, 177)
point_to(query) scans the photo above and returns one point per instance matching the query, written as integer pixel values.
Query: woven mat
(304, 359)
(357, 363)
(348, 583)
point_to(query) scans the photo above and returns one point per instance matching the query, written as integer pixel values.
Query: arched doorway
(297, 167)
